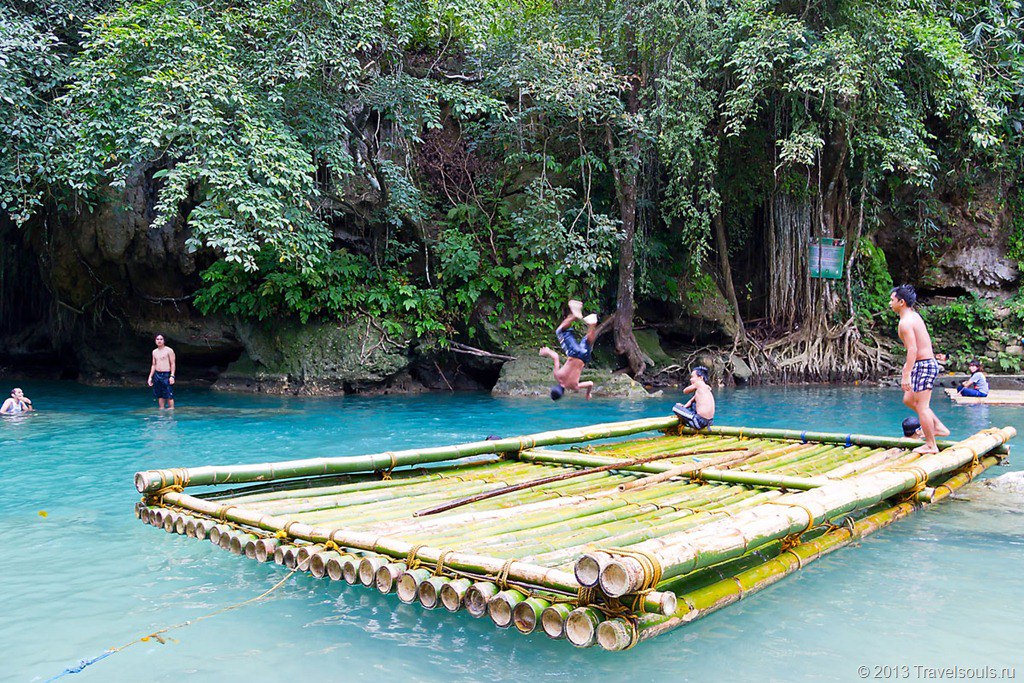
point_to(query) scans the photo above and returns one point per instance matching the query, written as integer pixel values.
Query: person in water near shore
(699, 411)
(912, 428)
(18, 403)
(975, 386)
(577, 352)
(161, 373)
(920, 368)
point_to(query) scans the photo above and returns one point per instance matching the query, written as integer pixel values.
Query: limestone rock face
(530, 375)
(320, 358)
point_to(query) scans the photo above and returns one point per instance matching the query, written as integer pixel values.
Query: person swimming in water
(18, 403)
(577, 351)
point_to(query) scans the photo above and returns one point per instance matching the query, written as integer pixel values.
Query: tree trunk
(625, 174)
(722, 244)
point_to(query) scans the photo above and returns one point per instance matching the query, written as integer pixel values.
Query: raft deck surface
(996, 397)
(684, 523)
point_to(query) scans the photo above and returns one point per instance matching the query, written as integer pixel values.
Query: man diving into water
(577, 351)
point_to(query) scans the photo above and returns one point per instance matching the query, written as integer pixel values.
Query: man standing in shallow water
(161, 373)
(920, 369)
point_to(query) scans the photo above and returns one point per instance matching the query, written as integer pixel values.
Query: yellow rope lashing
(585, 596)
(441, 559)
(411, 561)
(502, 578)
(329, 545)
(793, 540)
(385, 475)
(652, 571)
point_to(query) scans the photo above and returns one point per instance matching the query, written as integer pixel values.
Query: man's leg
(566, 324)
(591, 335)
(922, 401)
(160, 402)
(170, 404)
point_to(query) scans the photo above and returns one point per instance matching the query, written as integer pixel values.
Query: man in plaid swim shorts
(920, 369)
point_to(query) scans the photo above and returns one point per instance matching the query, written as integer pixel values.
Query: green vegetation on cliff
(455, 166)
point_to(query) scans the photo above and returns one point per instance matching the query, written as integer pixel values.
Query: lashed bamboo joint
(610, 546)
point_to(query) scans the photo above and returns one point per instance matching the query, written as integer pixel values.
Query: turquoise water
(943, 588)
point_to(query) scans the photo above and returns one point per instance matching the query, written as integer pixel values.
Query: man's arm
(170, 357)
(5, 408)
(152, 369)
(906, 332)
(27, 401)
(588, 385)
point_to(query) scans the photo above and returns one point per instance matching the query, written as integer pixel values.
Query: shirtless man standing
(920, 369)
(577, 352)
(161, 373)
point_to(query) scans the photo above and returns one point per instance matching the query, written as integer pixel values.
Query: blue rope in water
(81, 665)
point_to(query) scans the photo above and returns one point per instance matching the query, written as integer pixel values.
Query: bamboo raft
(607, 544)
(996, 397)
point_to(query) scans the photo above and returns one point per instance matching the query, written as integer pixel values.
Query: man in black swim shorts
(578, 352)
(161, 373)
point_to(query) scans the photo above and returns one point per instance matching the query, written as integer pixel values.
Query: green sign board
(826, 256)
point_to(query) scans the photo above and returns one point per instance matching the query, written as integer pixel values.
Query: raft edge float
(599, 553)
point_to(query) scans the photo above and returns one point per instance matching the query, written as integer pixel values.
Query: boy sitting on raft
(699, 411)
(577, 352)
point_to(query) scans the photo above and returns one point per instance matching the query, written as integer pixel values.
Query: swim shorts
(690, 417)
(572, 347)
(923, 374)
(162, 385)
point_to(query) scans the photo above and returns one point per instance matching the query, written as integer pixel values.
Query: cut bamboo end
(216, 532)
(409, 584)
(224, 540)
(265, 548)
(239, 541)
(588, 568)
(279, 552)
(620, 576)
(429, 592)
(139, 507)
(527, 614)
(453, 593)
(318, 563)
(143, 513)
(581, 626)
(201, 529)
(614, 635)
(290, 556)
(477, 597)
(335, 564)
(552, 620)
(304, 554)
(156, 517)
(501, 605)
(350, 570)
(386, 577)
(368, 567)
(181, 523)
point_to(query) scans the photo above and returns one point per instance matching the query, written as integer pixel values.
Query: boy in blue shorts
(578, 352)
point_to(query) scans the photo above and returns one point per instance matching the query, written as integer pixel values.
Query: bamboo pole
(824, 437)
(155, 480)
(453, 594)
(527, 614)
(719, 541)
(500, 607)
(552, 619)
(517, 571)
(616, 634)
(560, 477)
(429, 592)
(409, 584)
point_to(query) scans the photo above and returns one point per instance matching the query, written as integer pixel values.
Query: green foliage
(872, 283)
(1015, 241)
(343, 286)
